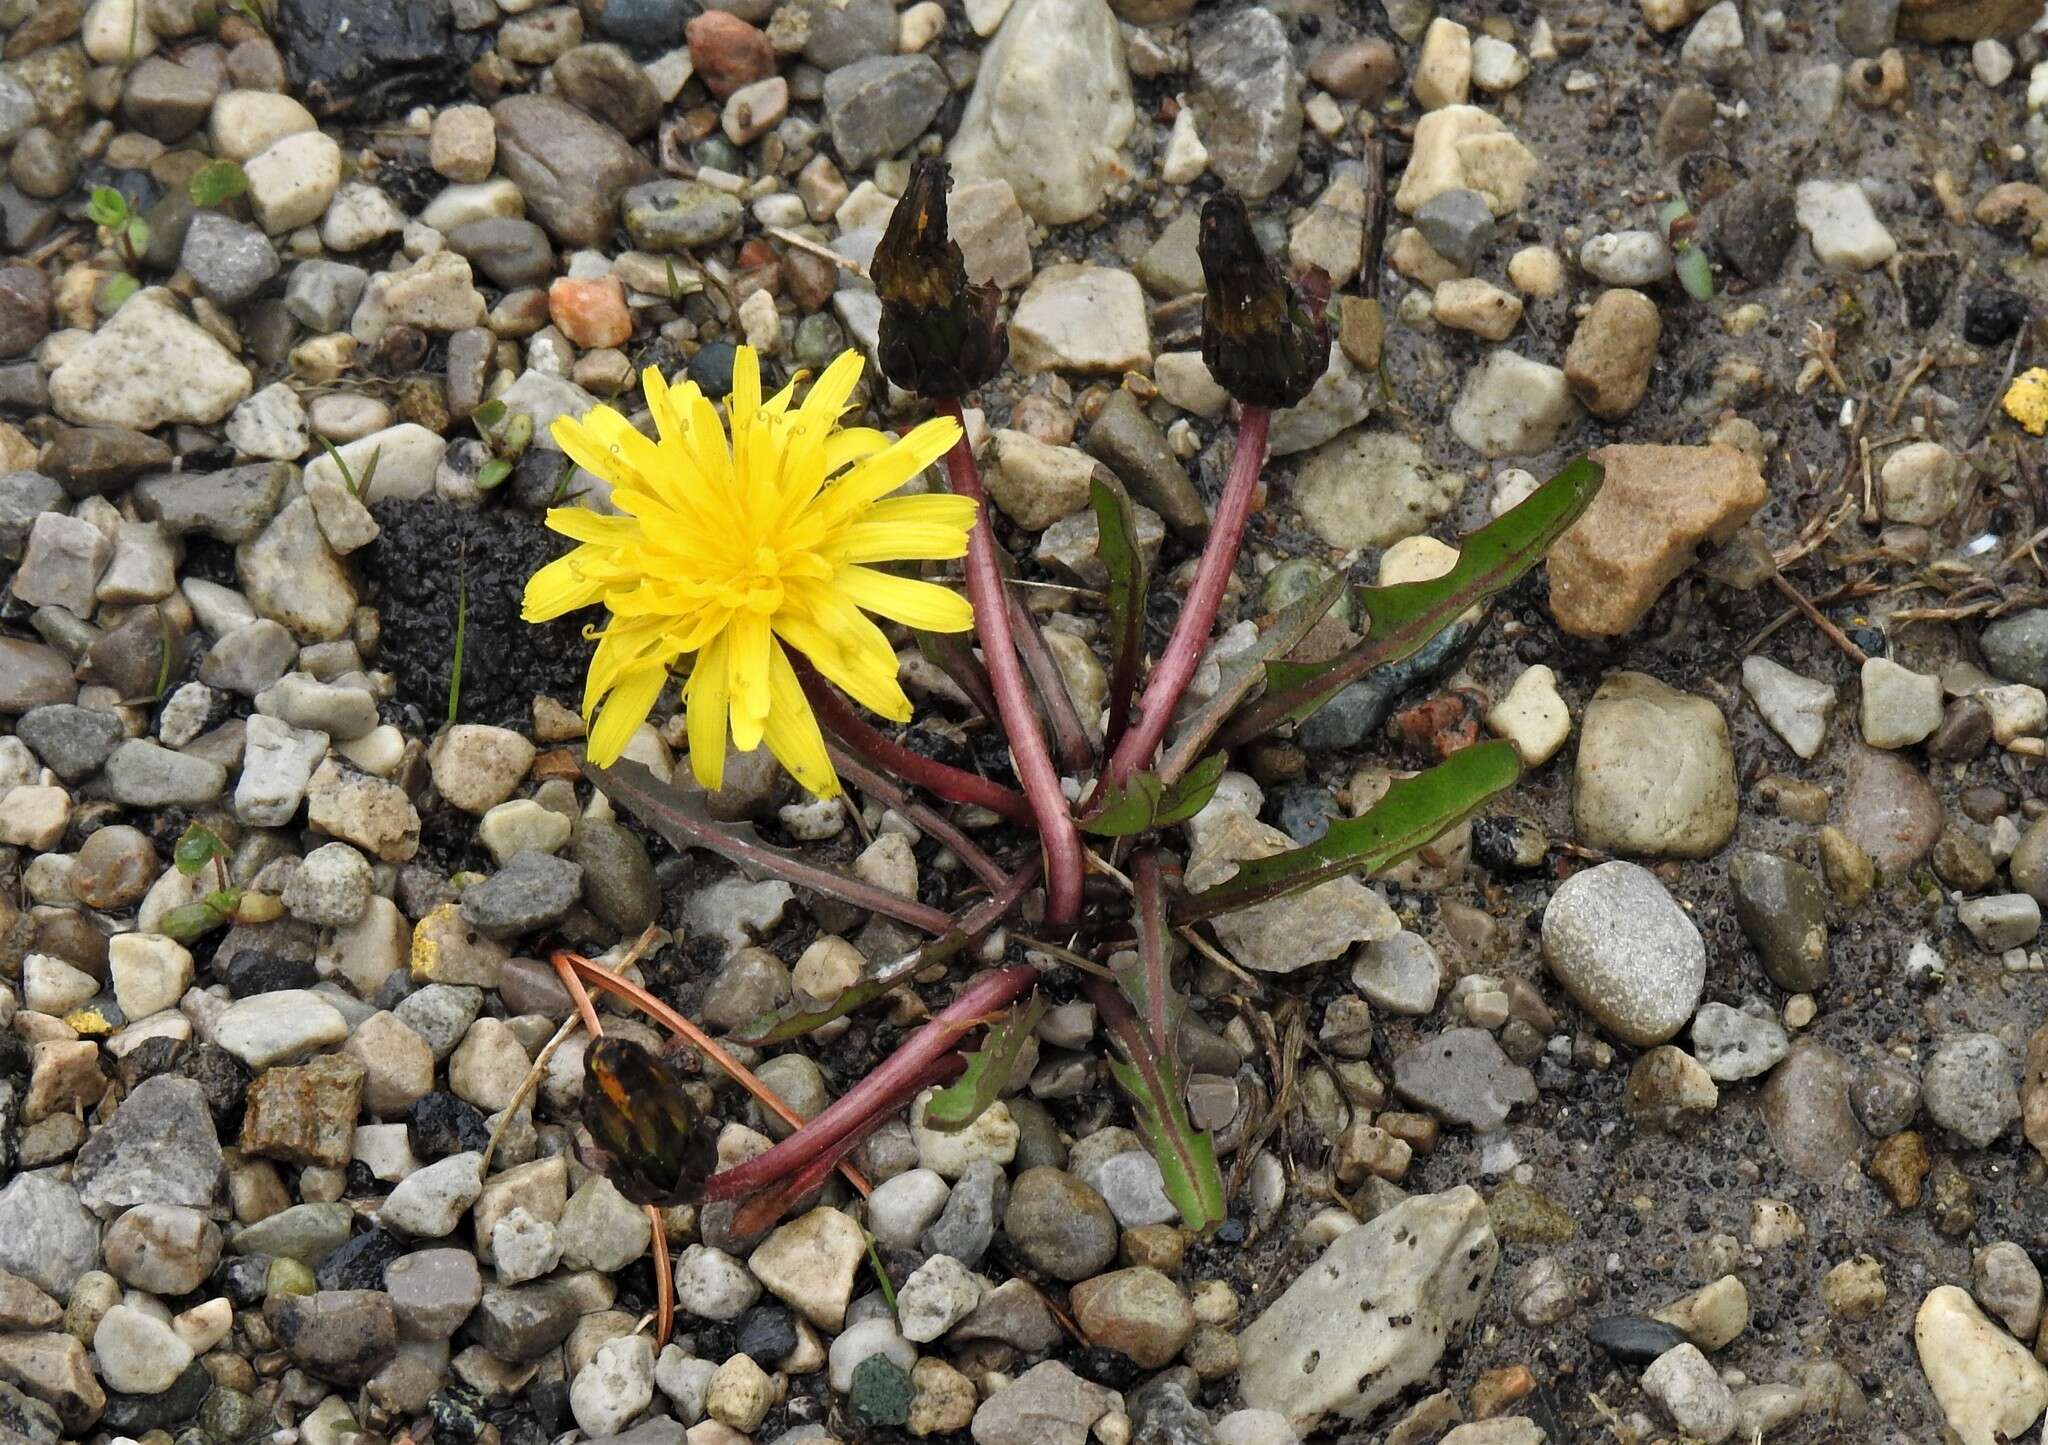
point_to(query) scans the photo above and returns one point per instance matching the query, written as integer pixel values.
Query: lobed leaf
(1117, 547)
(1186, 1155)
(197, 846)
(1405, 616)
(1414, 813)
(218, 181)
(1150, 802)
(967, 1098)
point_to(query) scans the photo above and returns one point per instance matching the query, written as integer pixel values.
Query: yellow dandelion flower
(731, 551)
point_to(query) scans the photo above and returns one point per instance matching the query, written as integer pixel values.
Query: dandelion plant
(749, 557)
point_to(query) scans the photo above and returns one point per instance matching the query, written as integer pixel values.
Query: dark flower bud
(652, 1142)
(1264, 339)
(940, 336)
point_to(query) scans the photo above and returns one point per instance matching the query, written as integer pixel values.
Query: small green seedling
(506, 437)
(109, 208)
(356, 489)
(1695, 271)
(217, 182)
(196, 848)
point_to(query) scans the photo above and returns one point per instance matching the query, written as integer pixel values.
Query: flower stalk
(1176, 666)
(860, 1108)
(1055, 821)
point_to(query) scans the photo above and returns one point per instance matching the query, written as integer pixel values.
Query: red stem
(1061, 716)
(1176, 666)
(866, 1103)
(1056, 831)
(955, 785)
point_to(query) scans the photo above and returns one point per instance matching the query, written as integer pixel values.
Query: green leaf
(137, 232)
(1279, 634)
(218, 181)
(197, 846)
(1186, 1156)
(486, 418)
(964, 1100)
(348, 477)
(492, 474)
(1413, 814)
(106, 207)
(118, 288)
(370, 474)
(461, 637)
(1405, 616)
(1150, 803)
(518, 434)
(189, 920)
(1117, 546)
(224, 901)
(1695, 272)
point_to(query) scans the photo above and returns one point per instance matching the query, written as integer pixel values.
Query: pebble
(617, 1384)
(1050, 107)
(137, 1353)
(1781, 908)
(1513, 406)
(271, 1028)
(1081, 318)
(1655, 774)
(1290, 933)
(1462, 1077)
(1845, 232)
(2001, 921)
(1685, 1384)
(1420, 1271)
(1899, 707)
(1371, 489)
(1734, 1044)
(1970, 1087)
(1807, 1111)
(810, 1262)
(1626, 258)
(1046, 1405)
(1531, 715)
(1918, 484)
(1987, 1384)
(530, 893)
(2005, 1281)
(1246, 100)
(1059, 1224)
(431, 1201)
(877, 106)
(570, 168)
(47, 1237)
(938, 1295)
(1399, 975)
(1609, 360)
(1625, 951)
(1797, 708)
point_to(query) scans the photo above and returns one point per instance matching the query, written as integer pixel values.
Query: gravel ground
(1699, 1089)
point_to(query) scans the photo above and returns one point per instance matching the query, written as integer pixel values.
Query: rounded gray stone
(1625, 951)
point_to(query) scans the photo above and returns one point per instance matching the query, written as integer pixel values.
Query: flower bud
(940, 335)
(1263, 338)
(659, 1148)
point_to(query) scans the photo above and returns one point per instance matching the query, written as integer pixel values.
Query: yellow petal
(583, 445)
(855, 670)
(792, 732)
(923, 605)
(826, 401)
(588, 526)
(704, 699)
(926, 528)
(624, 711)
(881, 474)
(747, 670)
(559, 587)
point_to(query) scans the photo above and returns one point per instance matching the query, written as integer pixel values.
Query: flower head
(1263, 339)
(939, 333)
(731, 551)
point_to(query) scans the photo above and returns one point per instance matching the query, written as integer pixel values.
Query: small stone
(1290, 933)
(1970, 1088)
(938, 1295)
(1626, 258)
(1246, 100)
(292, 180)
(340, 1335)
(138, 1354)
(271, 1028)
(1918, 484)
(1035, 484)
(1512, 406)
(879, 105)
(47, 1237)
(1046, 1405)
(430, 1202)
(1625, 951)
(1399, 975)
(1796, 708)
(1655, 774)
(1608, 363)
(1462, 1077)
(1685, 1384)
(1059, 1224)
(1478, 306)
(1371, 489)
(1807, 1112)
(1782, 910)
(1845, 232)
(1657, 505)
(569, 167)
(1666, 1085)
(1532, 716)
(305, 1115)
(1987, 1384)
(1139, 1313)
(1733, 1044)
(810, 1262)
(1900, 707)
(1089, 319)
